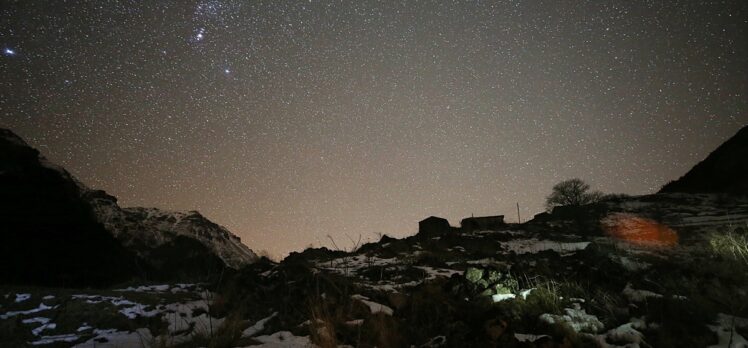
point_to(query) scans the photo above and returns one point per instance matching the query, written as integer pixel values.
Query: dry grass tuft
(730, 245)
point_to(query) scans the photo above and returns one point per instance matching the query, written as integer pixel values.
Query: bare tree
(573, 192)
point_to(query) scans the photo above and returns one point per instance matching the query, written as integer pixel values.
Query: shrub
(730, 245)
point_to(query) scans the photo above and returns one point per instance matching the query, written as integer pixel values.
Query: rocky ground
(665, 270)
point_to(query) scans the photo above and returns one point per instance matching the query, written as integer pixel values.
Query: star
(9, 52)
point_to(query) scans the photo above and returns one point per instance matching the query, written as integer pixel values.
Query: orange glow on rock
(639, 230)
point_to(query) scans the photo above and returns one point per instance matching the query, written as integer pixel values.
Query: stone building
(434, 225)
(482, 223)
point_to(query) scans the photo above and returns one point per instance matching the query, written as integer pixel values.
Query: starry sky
(290, 121)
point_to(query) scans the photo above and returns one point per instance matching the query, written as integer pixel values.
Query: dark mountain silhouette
(56, 231)
(725, 170)
(48, 235)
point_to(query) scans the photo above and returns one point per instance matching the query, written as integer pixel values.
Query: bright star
(200, 34)
(9, 52)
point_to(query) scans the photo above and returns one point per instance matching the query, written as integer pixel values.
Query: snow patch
(55, 338)
(42, 307)
(355, 322)
(483, 262)
(84, 327)
(433, 273)
(132, 310)
(388, 286)
(725, 329)
(283, 339)
(257, 327)
(138, 310)
(525, 293)
(40, 320)
(576, 318)
(373, 306)
(534, 245)
(146, 288)
(38, 330)
(528, 337)
(183, 325)
(502, 297)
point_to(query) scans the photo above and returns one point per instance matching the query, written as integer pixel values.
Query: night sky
(289, 121)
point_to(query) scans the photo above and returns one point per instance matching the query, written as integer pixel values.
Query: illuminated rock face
(639, 230)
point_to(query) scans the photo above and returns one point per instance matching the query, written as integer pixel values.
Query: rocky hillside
(725, 170)
(45, 204)
(661, 270)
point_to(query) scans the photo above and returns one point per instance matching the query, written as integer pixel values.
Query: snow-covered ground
(534, 245)
(283, 339)
(186, 316)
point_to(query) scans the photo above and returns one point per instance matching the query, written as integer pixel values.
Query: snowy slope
(689, 214)
(139, 227)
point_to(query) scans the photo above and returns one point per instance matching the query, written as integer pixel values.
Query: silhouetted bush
(572, 192)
